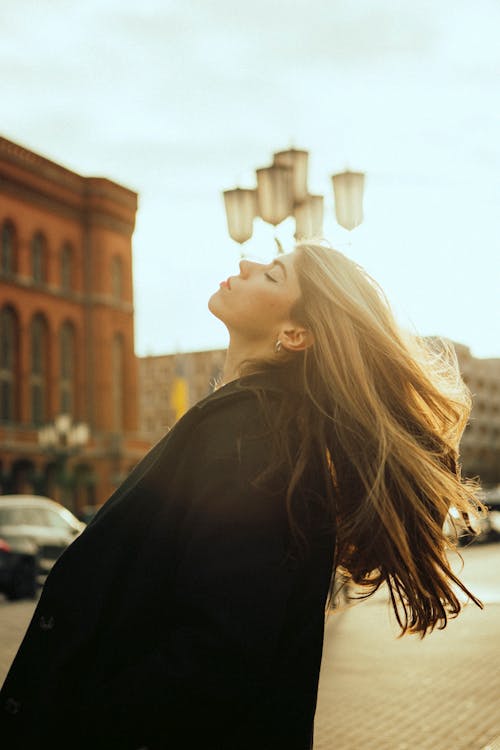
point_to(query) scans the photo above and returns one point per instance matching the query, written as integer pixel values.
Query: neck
(237, 352)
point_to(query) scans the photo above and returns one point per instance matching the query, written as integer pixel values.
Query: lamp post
(62, 439)
(281, 191)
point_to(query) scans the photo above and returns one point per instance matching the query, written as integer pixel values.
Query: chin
(215, 307)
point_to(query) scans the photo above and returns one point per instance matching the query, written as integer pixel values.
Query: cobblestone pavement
(378, 692)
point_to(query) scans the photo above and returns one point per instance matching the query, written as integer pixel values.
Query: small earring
(277, 346)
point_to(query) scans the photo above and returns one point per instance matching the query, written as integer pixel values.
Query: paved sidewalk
(14, 619)
(380, 693)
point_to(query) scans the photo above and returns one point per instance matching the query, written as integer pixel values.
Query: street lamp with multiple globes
(282, 191)
(62, 439)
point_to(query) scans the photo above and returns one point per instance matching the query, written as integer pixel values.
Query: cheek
(253, 310)
(277, 305)
(263, 305)
(273, 298)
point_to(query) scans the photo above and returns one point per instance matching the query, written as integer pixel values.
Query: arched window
(117, 278)
(67, 368)
(8, 249)
(67, 267)
(38, 378)
(38, 257)
(117, 365)
(9, 346)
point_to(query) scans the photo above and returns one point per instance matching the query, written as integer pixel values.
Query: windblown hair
(383, 411)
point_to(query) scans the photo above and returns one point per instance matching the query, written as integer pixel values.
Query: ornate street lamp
(309, 217)
(62, 439)
(241, 210)
(274, 193)
(282, 192)
(297, 161)
(348, 188)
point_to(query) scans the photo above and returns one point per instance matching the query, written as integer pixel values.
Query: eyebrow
(279, 263)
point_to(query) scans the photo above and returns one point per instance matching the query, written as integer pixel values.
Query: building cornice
(38, 288)
(94, 200)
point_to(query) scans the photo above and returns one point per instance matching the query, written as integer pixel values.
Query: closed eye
(268, 276)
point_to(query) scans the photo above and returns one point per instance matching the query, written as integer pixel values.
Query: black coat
(177, 619)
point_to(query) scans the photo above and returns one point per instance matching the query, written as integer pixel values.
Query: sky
(182, 99)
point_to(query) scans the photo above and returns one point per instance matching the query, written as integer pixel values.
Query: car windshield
(22, 516)
(7, 518)
(38, 516)
(58, 519)
(70, 519)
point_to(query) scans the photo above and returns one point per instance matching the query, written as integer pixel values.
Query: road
(378, 692)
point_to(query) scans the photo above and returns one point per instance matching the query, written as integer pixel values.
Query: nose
(246, 267)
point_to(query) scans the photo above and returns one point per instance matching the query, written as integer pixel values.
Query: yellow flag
(179, 396)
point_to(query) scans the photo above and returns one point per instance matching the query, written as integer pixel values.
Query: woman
(190, 612)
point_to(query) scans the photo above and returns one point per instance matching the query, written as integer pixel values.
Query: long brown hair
(383, 412)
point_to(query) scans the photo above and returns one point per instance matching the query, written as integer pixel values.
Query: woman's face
(257, 303)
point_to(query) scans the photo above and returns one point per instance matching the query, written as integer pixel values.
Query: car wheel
(23, 581)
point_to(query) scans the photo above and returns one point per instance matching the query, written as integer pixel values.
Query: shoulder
(243, 408)
(252, 398)
(227, 437)
(220, 476)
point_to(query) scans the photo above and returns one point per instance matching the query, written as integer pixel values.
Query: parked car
(491, 498)
(487, 528)
(34, 531)
(18, 565)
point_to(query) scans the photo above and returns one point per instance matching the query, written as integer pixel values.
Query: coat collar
(265, 381)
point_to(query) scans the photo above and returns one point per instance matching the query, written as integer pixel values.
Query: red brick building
(66, 327)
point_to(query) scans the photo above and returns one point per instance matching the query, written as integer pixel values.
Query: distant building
(169, 384)
(480, 447)
(66, 325)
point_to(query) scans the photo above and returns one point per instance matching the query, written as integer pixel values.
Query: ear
(296, 339)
